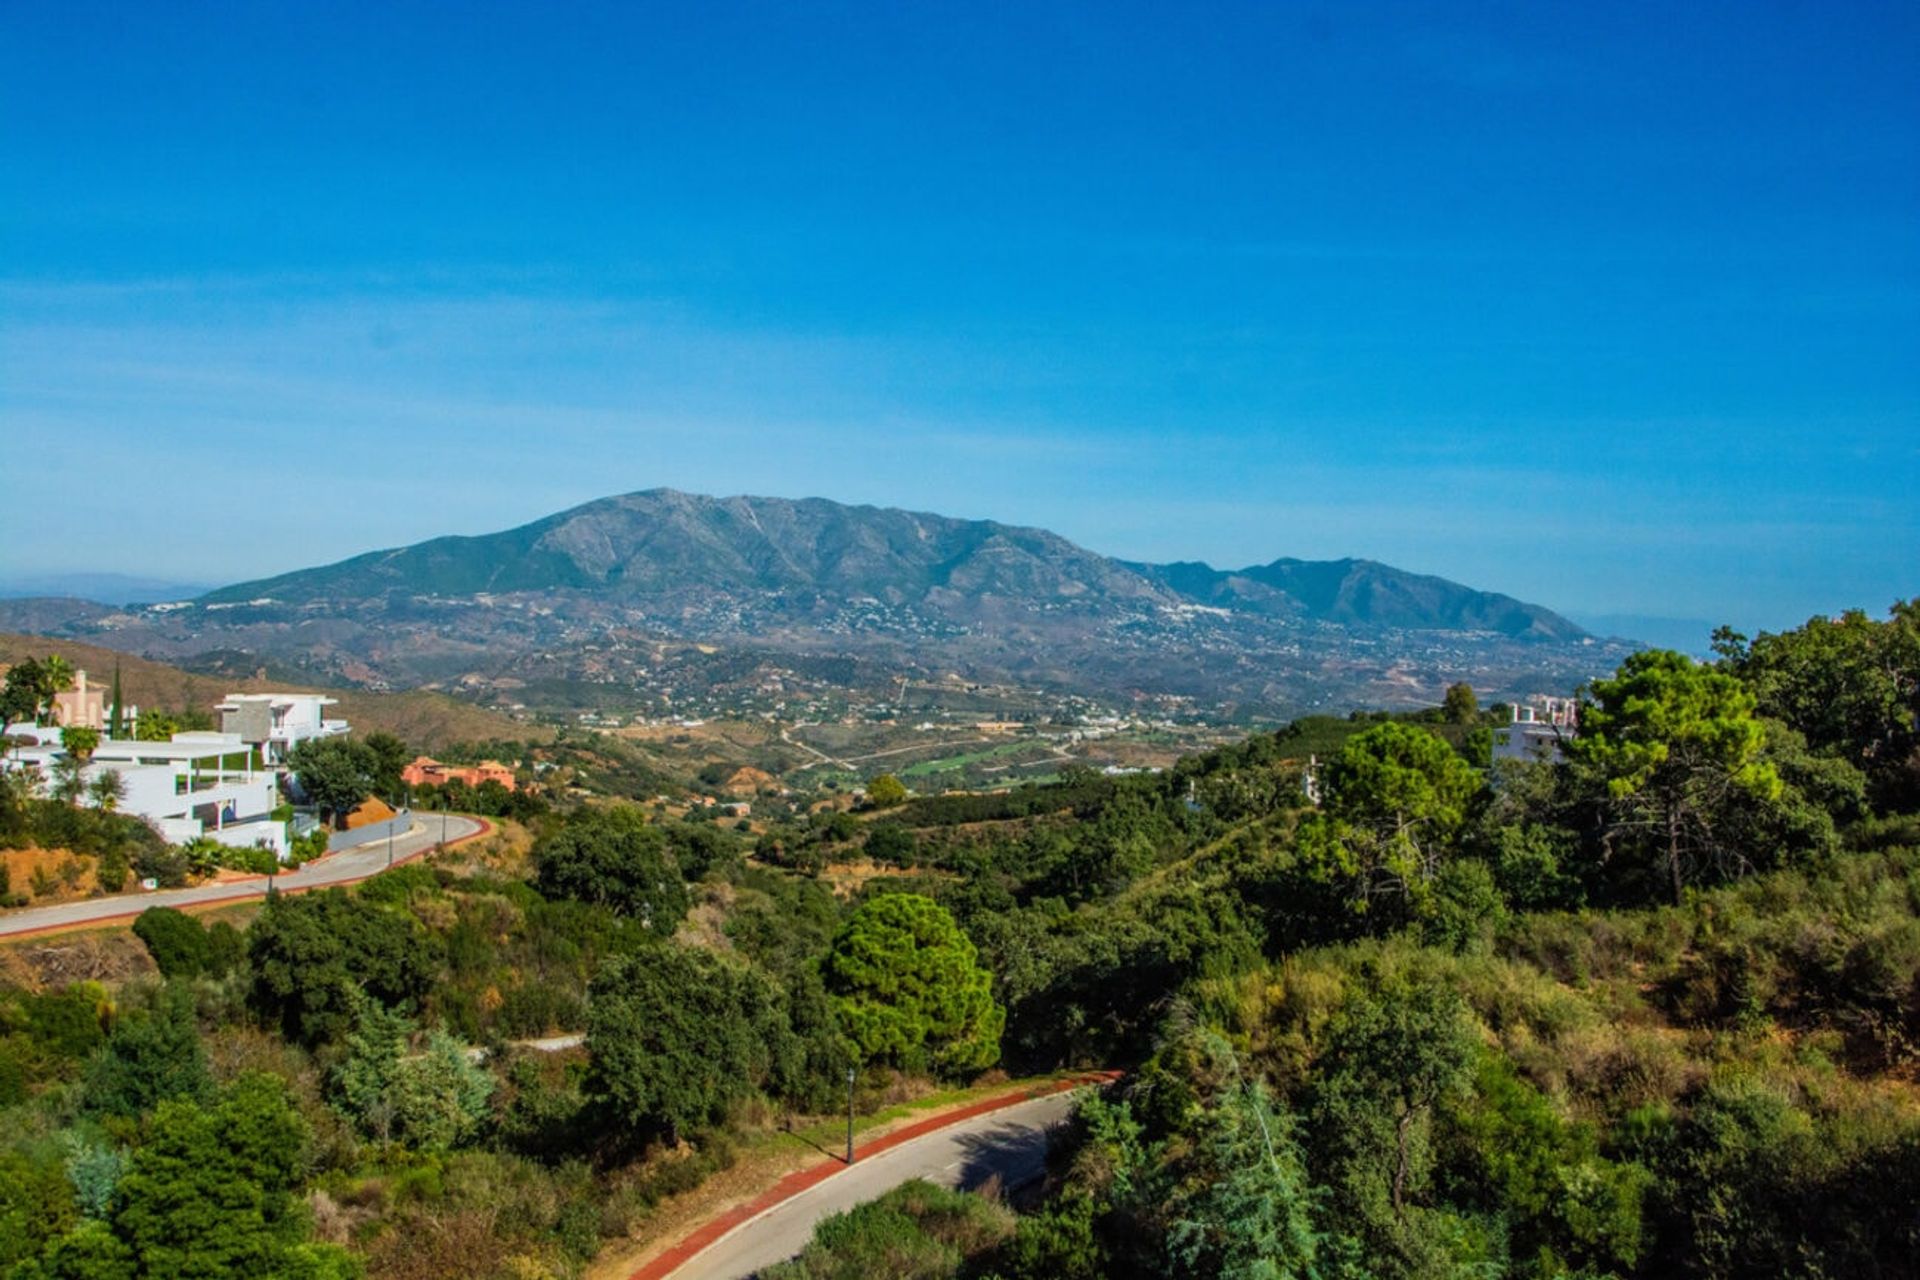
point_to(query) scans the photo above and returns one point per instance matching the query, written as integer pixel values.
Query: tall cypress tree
(114, 725)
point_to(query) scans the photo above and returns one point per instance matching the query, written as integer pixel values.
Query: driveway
(336, 868)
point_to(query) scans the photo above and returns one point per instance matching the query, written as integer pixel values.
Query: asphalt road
(335, 868)
(1010, 1144)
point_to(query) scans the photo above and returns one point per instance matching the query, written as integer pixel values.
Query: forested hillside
(1652, 1011)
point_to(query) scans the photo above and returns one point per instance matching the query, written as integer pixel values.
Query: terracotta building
(428, 772)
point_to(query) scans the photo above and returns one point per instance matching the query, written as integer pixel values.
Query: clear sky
(1615, 307)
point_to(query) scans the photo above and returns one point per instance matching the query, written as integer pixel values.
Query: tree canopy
(678, 1036)
(314, 957)
(908, 987)
(886, 791)
(617, 858)
(1394, 803)
(1680, 749)
(338, 773)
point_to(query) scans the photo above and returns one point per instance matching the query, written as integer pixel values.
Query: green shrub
(917, 1231)
(175, 940)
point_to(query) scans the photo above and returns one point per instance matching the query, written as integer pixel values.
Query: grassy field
(985, 755)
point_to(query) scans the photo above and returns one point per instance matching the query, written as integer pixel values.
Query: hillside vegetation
(1654, 1011)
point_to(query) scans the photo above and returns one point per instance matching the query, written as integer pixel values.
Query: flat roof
(320, 698)
(198, 746)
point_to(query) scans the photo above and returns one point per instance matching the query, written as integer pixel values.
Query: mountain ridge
(658, 542)
(661, 600)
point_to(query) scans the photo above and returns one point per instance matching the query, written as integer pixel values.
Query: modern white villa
(1539, 731)
(199, 784)
(277, 722)
(221, 785)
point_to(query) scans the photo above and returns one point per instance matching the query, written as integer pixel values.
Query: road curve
(1008, 1143)
(335, 869)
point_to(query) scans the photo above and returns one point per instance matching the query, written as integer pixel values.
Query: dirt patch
(846, 879)
(749, 781)
(371, 810)
(504, 852)
(110, 956)
(49, 875)
(706, 923)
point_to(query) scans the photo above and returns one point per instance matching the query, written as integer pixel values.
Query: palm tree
(56, 677)
(107, 790)
(154, 725)
(69, 779)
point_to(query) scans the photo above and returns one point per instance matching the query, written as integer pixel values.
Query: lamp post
(849, 1115)
(389, 844)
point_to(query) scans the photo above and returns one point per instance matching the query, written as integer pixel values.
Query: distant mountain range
(899, 591)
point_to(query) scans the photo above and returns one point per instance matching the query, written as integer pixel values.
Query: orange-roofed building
(428, 772)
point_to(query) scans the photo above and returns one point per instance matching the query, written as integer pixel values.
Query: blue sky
(1614, 307)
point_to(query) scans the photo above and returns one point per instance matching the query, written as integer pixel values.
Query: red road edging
(244, 895)
(691, 1245)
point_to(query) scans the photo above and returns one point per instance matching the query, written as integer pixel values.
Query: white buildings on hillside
(199, 784)
(276, 722)
(222, 785)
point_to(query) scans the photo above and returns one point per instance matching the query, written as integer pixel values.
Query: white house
(1540, 728)
(199, 784)
(276, 722)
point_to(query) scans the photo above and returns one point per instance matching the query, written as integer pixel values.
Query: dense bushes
(616, 858)
(917, 1231)
(182, 948)
(678, 1036)
(314, 957)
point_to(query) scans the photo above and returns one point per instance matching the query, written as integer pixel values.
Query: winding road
(1008, 1145)
(344, 867)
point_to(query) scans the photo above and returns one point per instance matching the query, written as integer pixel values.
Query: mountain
(661, 543)
(1360, 593)
(662, 597)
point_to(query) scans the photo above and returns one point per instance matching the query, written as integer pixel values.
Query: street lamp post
(389, 844)
(849, 1115)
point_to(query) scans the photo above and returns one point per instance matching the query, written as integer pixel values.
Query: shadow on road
(1009, 1156)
